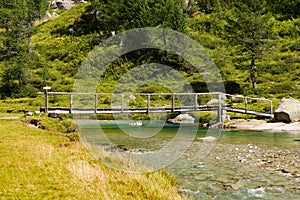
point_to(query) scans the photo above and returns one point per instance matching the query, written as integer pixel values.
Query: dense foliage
(254, 43)
(16, 22)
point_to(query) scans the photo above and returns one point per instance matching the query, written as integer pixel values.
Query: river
(238, 165)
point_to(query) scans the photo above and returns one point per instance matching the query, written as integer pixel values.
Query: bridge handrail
(88, 93)
(220, 94)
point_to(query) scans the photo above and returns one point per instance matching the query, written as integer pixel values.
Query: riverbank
(262, 125)
(42, 164)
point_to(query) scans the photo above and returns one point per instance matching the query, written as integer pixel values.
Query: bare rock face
(288, 111)
(62, 4)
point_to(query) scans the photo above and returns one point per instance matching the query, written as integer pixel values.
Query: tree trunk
(252, 75)
(252, 66)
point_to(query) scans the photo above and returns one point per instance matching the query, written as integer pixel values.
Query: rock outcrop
(63, 4)
(288, 111)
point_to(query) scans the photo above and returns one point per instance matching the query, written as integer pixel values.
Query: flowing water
(240, 165)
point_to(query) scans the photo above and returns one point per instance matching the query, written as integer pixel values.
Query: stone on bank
(287, 111)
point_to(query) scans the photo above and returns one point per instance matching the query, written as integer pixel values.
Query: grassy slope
(278, 71)
(279, 68)
(37, 164)
(61, 54)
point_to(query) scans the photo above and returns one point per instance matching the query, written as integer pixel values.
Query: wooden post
(196, 101)
(46, 97)
(219, 108)
(246, 105)
(71, 103)
(46, 101)
(148, 103)
(96, 102)
(122, 106)
(271, 107)
(173, 102)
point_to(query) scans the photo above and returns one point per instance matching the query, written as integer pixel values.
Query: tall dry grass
(37, 164)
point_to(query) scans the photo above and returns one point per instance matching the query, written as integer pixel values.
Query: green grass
(21, 105)
(38, 164)
(7, 115)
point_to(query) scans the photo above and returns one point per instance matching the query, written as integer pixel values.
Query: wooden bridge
(104, 103)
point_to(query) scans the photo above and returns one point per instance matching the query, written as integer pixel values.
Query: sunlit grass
(37, 164)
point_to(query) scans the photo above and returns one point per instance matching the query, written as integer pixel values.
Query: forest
(254, 43)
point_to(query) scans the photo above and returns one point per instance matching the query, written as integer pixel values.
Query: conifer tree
(248, 30)
(120, 15)
(16, 23)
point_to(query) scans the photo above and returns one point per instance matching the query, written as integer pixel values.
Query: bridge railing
(155, 102)
(246, 103)
(125, 101)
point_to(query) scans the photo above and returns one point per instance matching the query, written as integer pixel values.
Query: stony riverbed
(241, 171)
(276, 160)
(239, 165)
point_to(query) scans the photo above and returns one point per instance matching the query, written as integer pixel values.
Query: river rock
(287, 111)
(207, 138)
(47, 15)
(183, 119)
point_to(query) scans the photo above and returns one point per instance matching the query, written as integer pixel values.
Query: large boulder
(287, 111)
(63, 4)
(183, 119)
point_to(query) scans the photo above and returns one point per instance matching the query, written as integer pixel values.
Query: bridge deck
(67, 110)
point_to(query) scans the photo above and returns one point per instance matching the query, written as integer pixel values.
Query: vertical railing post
(271, 107)
(71, 103)
(246, 105)
(46, 101)
(96, 102)
(148, 103)
(196, 101)
(122, 106)
(219, 108)
(46, 97)
(173, 102)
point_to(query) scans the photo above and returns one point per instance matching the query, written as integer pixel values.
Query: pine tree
(17, 19)
(248, 31)
(128, 14)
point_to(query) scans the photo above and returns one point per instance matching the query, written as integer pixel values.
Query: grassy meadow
(41, 164)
